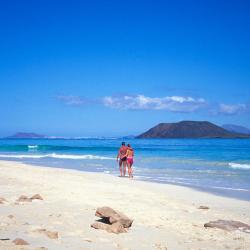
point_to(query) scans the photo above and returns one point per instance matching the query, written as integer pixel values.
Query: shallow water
(221, 166)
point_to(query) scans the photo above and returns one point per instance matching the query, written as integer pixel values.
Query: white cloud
(184, 104)
(141, 102)
(232, 109)
(72, 100)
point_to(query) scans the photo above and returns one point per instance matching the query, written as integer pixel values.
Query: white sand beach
(165, 216)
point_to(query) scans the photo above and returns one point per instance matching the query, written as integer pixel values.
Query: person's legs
(124, 167)
(130, 168)
(120, 167)
(128, 165)
(131, 171)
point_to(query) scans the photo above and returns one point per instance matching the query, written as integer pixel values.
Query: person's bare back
(122, 159)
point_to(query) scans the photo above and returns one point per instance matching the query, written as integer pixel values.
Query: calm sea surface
(221, 166)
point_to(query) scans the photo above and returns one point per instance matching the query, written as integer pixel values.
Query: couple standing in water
(126, 159)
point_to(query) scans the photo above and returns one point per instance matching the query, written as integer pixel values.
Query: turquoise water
(221, 166)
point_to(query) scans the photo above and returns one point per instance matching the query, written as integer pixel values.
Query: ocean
(220, 166)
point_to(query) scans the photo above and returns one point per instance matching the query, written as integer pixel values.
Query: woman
(130, 160)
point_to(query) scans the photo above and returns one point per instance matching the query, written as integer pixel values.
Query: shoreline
(165, 215)
(238, 194)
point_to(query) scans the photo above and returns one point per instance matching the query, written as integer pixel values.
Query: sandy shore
(165, 216)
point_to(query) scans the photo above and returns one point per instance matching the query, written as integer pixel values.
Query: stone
(113, 228)
(100, 225)
(36, 197)
(203, 207)
(113, 216)
(228, 225)
(112, 221)
(23, 198)
(10, 216)
(2, 200)
(117, 228)
(88, 240)
(19, 241)
(41, 230)
(50, 234)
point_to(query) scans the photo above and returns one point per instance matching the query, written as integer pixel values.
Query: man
(122, 159)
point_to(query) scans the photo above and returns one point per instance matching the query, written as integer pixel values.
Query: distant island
(190, 129)
(183, 129)
(236, 128)
(21, 135)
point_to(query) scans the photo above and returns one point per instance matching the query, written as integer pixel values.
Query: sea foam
(239, 166)
(58, 156)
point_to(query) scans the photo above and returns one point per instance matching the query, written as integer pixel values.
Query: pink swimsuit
(130, 160)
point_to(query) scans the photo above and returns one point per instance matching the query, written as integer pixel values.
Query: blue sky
(76, 68)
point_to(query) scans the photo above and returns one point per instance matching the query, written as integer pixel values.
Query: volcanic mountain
(236, 128)
(190, 129)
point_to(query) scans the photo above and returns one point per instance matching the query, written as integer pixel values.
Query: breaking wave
(58, 156)
(239, 166)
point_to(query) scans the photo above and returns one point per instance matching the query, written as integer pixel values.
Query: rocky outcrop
(228, 225)
(112, 221)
